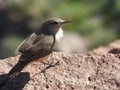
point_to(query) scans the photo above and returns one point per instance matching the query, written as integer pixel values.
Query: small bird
(43, 41)
(38, 44)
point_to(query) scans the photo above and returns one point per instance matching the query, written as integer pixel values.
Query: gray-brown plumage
(43, 41)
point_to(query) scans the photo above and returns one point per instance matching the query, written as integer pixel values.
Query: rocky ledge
(97, 70)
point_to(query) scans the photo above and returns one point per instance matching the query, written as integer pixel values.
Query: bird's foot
(49, 65)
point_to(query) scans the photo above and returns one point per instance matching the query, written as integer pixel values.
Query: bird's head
(53, 25)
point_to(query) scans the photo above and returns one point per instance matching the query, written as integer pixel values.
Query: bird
(40, 43)
(43, 41)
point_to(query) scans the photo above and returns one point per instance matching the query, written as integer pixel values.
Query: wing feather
(36, 43)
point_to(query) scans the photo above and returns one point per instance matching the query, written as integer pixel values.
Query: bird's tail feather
(17, 68)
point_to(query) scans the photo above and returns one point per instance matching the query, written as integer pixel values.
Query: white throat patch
(59, 34)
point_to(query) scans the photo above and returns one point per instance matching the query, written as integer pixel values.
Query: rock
(111, 48)
(73, 72)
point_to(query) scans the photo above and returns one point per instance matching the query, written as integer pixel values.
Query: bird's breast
(59, 34)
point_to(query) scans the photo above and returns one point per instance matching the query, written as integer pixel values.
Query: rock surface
(111, 48)
(97, 70)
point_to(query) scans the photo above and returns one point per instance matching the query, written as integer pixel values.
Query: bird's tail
(17, 68)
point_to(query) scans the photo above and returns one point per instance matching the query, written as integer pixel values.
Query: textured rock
(111, 48)
(73, 72)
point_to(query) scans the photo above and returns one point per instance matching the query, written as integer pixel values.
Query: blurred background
(96, 22)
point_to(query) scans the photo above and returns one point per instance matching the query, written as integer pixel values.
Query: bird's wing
(36, 43)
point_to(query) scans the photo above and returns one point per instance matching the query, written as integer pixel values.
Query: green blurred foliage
(93, 19)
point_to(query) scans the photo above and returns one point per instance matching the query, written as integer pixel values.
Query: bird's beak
(65, 22)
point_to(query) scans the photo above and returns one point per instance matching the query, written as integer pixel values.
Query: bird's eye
(55, 23)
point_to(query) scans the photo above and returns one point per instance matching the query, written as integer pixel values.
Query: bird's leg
(43, 71)
(51, 64)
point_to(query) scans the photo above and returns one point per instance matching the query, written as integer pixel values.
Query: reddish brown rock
(74, 72)
(111, 48)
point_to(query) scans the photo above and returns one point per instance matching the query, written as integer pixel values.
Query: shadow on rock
(16, 83)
